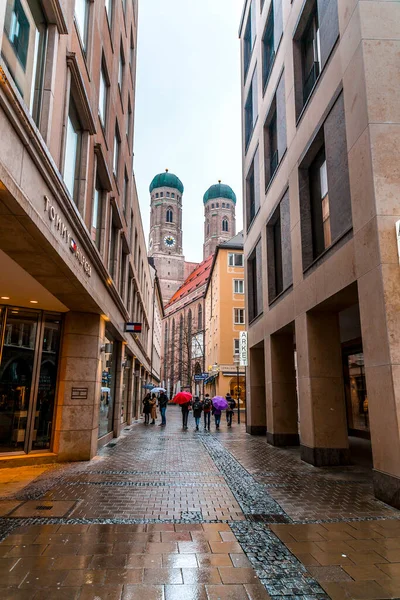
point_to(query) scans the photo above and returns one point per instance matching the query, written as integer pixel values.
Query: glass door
(17, 366)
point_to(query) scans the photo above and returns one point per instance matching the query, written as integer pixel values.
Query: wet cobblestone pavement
(168, 515)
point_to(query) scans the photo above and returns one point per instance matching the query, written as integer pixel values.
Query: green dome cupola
(167, 179)
(219, 190)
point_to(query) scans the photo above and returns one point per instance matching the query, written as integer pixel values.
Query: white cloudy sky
(188, 104)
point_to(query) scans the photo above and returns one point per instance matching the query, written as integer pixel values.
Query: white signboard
(398, 238)
(243, 349)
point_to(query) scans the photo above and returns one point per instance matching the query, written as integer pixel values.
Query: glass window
(238, 286)
(311, 55)
(112, 257)
(212, 206)
(268, 47)
(157, 195)
(236, 346)
(126, 190)
(161, 194)
(239, 316)
(106, 409)
(117, 147)
(72, 151)
(97, 213)
(235, 260)
(172, 195)
(129, 125)
(167, 194)
(23, 50)
(121, 68)
(223, 205)
(132, 57)
(109, 8)
(225, 225)
(170, 216)
(81, 18)
(103, 93)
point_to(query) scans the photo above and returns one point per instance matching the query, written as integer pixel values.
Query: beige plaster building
(73, 260)
(225, 319)
(321, 146)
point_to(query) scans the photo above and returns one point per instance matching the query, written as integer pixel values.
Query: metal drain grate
(43, 507)
(268, 518)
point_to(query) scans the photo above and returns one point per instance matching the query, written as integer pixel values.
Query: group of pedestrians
(207, 408)
(150, 408)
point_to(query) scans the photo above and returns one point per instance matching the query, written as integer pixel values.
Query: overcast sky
(188, 104)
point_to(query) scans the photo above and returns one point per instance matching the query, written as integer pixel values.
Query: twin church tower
(165, 240)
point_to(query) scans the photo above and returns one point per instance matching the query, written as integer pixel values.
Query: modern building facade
(321, 141)
(219, 217)
(73, 259)
(225, 319)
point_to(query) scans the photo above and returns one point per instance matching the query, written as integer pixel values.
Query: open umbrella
(156, 390)
(220, 403)
(182, 398)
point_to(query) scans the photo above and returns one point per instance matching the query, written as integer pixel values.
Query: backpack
(197, 405)
(207, 403)
(232, 403)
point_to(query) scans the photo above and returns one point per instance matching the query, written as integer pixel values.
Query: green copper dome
(166, 180)
(219, 190)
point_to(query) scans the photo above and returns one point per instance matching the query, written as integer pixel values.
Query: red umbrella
(182, 398)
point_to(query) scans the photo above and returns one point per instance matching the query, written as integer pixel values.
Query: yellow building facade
(225, 318)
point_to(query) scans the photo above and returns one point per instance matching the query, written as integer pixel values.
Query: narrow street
(168, 514)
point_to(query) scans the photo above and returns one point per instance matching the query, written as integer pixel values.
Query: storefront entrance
(356, 390)
(29, 351)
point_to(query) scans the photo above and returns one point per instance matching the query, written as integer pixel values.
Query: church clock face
(169, 241)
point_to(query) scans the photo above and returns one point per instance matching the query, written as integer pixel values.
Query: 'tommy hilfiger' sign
(60, 226)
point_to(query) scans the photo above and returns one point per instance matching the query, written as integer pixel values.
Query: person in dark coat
(197, 410)
(231, 407)
(163, 403)
(185, 413)
(217, 416)
(207, 411)
(153, 405)
(146, 408)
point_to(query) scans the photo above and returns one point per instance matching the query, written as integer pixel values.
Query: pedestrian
(185, 413)
(153, 405)
(217, 416)
(231, 407)
(197, 410)
(207, 411)
(146, 408)
(163, 403)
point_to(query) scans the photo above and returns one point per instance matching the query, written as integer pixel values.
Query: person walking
(185, 413)
(163, 403)
(231, 407)
(197, 410)
(207, 411)
(153, 405)
(217, 416)
(146, 408)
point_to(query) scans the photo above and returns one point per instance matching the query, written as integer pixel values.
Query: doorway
(29, 352)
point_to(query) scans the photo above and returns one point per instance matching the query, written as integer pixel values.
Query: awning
(211, 379)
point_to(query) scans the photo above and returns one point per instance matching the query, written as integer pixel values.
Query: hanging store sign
(243, 349)
(398, 238)
(133, 327)
(59, 225)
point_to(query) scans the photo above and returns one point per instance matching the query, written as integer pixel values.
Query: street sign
(201, 377)
(133, 327)
(398, 238)
(243, 349)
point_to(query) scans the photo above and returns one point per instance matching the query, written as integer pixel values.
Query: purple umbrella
(219, 403)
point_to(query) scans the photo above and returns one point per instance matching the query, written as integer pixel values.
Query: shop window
(82, 20)
(225, 225)
(255, 291)
(73, 149)
(97, 212)
(23, 50)
(103, 94)
(239, 316)
(251, 110)
(238, 286)
(107, 393)
(235, 260)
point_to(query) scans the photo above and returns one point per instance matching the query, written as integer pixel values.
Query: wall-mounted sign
(243, 349)
(79, 393)
(398, 238)
(133, 327)
(59, 225)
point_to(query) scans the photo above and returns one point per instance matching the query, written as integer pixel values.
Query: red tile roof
(196, 279)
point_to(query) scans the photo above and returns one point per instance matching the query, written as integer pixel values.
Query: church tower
(220, 217)
(165, 240)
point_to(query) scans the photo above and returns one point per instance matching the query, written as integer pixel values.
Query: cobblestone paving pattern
(172, 515)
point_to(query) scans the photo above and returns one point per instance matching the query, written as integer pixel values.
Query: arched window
(199, 317)
(170, 215)
(225, 224)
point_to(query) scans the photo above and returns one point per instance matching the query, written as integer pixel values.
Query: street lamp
(236, 360)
